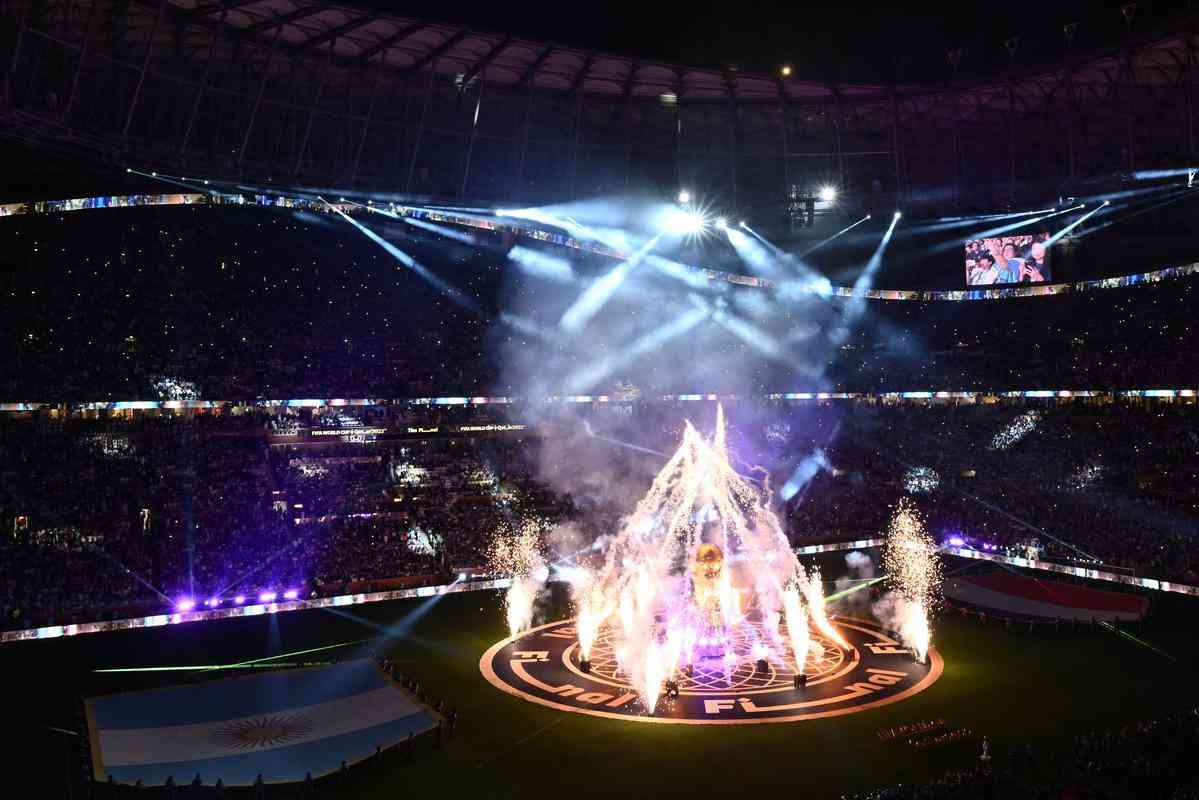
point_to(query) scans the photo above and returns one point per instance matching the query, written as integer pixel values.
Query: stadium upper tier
(507, 226)
(246, 302)
(348, 96)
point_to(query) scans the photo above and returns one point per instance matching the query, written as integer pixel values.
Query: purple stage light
(267, 597)
(955, 541)
(290, 594)
(241, 598)
(185, 604)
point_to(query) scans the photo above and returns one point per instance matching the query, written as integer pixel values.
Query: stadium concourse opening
(395, 405)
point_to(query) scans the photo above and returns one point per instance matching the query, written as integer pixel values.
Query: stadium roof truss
(326, 94)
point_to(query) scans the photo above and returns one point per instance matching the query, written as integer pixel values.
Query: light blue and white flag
(281, 725)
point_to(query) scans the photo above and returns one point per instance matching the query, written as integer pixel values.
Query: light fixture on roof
(684, 223)
(786, 70)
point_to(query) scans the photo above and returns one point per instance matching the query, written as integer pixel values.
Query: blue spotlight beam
(762, 259)
(399, 629)
(750, 334)
(1002, 229)
(441, 230)
(542, 265)
(603, 367)
(412, 264)
(857, 303)
(260, 566)
(1154, 174)
(1054, 238)
(823, 242)
(804, 473)
(126, 570)
(600, 291)
(1181, 194)
(964, 222)
(778, 251)
(619, 443)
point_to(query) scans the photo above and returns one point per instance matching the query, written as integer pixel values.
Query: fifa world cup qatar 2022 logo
(741, 685)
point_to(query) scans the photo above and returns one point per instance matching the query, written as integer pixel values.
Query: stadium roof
(339, 95)
(356, 37)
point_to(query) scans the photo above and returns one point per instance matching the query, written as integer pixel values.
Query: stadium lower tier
(1106, 692)
(113, 518)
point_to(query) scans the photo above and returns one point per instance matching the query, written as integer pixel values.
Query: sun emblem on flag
(270, 730)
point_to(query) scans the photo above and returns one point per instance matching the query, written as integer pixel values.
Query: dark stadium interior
(332, 327)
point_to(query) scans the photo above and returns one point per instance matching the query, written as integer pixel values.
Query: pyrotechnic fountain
(914, 572)
(516, 552)
(700, 573)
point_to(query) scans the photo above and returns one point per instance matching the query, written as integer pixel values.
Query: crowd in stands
(1153, 758)
(1084, 483)
(105, 524)
(102, 515)
(239, 303)
(106, 516)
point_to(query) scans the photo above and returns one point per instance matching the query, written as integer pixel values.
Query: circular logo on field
(740, 685)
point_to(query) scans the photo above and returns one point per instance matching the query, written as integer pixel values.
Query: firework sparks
(1084, 477)
(914, 573)
(700, 553)
(919, 480)
(797, 626)
(517, 552)
(1020, 427)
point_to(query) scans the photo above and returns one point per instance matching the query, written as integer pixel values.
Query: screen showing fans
(1008, 259)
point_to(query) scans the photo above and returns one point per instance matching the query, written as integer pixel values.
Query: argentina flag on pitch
(281, 725)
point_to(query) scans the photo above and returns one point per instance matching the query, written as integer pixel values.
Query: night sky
(847, 40)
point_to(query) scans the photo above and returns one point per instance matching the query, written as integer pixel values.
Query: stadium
(485, 401)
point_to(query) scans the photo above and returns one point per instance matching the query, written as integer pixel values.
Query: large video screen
(1004, 260)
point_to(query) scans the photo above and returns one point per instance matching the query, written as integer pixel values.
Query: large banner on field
(281, 725)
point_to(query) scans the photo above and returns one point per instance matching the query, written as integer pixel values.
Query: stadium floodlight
(129, 169)
(742, 224)
(721, 224)
(684, 196)
(683, 222)
(828, 193)
(185, 604)
(461, 576)
(898, 215)
(153, 174)
(1107, 202)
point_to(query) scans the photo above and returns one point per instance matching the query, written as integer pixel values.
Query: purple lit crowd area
(133, 514)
